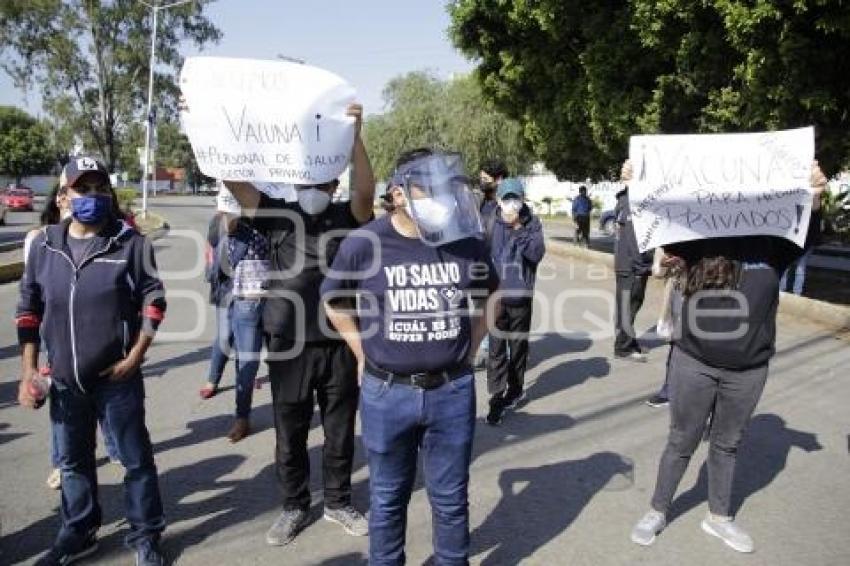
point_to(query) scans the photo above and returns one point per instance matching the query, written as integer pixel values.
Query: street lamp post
(149, 117)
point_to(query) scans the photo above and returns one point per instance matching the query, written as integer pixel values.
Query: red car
(18, 198)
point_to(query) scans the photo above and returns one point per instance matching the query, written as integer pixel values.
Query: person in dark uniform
(516, 247)
(632, 271)
(308, 363)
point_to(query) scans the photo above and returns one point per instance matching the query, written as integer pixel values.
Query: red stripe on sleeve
(28, 321)
(154, 313)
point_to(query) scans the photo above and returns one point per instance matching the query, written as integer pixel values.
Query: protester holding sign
(632, 271)
(306, 361)
(254, 123)
(719, 364)
(414, 274)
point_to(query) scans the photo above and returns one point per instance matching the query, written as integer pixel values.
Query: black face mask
(488, 188)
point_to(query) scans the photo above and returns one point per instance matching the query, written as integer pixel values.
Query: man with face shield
(416, 277)
(307, 362)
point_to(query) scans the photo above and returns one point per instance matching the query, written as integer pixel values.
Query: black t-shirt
(746, 338)
(302, 247)
(413, 299)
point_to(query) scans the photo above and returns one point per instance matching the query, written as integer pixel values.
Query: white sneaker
(350, 518)
(729, 532)
(648, 527)
(54, 480)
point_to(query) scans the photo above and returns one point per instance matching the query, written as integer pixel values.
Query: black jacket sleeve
(149, 290)
(30, 309)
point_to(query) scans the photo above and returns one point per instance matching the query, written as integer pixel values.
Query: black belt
(423, 380)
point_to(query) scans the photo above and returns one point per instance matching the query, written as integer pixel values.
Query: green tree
(581, 77)
(424, 111)
(173, 150)
(25, 147)
(90, 60)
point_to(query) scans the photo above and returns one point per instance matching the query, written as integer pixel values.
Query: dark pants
(509, 351)
(631, 289)
(582, 229)
(696, 390)
(74, 418)
(325, 372)
(399, 422)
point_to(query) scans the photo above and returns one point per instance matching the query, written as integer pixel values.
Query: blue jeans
(398, 422)
(108, 443)
(246, 326)
(798, 270)
(74, 418)
(221, 346)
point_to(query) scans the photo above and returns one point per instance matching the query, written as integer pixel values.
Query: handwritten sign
(690, 187)
(275, 121)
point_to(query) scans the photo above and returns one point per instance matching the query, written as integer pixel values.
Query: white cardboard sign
(691, 187)
(274, 121)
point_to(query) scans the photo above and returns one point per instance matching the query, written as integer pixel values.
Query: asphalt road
(561, 482)
(19, 223)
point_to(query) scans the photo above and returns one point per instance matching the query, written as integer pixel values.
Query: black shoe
(657, 400)
(60, 556)
(513, 401)
(639, 357)
(148, 554)
(494, 416)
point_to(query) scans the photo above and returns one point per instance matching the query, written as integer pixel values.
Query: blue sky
(367, 42)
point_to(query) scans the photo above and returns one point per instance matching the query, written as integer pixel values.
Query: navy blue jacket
(516, 254)
(89, 316)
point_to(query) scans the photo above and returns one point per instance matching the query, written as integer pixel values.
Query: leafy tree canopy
(24, 145)
(581, 77)
(90, 60)
(424, 111)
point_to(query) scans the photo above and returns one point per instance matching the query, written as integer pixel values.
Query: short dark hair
(582, 188)
(496, 168)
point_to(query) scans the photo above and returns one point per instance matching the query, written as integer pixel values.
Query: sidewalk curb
(11, 271)
(582, 254)
(11, 246)
(835, 317)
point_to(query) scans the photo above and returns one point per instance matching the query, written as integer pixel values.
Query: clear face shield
(439, 198)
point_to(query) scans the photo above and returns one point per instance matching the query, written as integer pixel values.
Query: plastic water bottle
(39, 387)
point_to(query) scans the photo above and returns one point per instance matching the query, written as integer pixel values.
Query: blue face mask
(92, 209)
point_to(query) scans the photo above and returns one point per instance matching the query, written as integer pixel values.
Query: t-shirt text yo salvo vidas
(414, 301)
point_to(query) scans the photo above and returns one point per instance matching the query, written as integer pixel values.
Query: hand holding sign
(689, 187)
(273, 121)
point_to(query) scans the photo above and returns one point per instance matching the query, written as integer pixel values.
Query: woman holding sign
(719, 363)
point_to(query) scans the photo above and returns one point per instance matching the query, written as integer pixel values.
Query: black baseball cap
(82, 165)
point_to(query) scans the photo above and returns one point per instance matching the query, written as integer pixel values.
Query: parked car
(18, 198)
(608, 222)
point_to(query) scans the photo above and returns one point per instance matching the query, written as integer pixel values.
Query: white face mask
(434, 213)
(64, 214)
(510, 209)
(313, 201)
